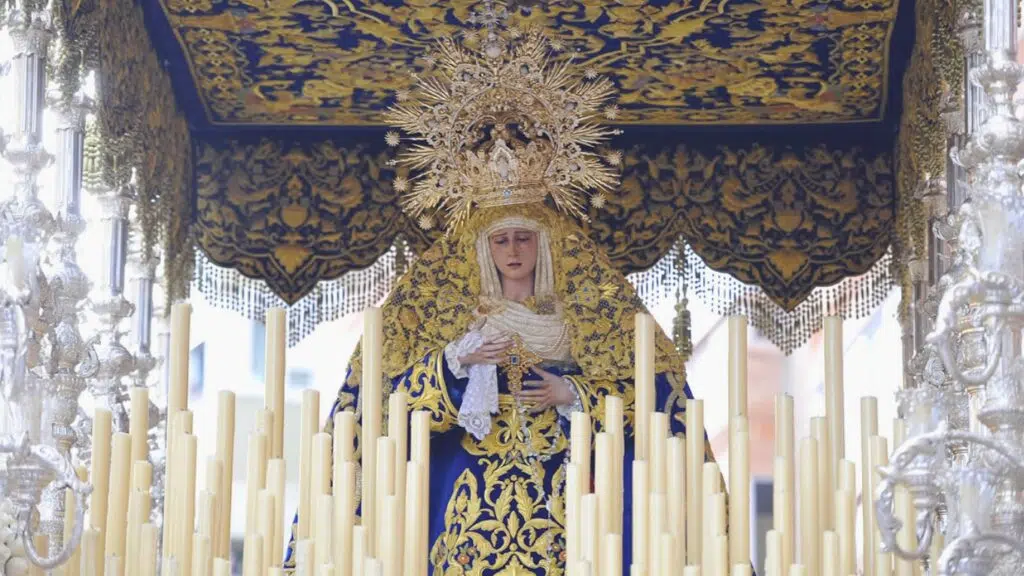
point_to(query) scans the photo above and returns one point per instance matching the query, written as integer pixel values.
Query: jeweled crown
(501, 121)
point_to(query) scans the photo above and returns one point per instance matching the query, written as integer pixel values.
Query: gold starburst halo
(502, 123)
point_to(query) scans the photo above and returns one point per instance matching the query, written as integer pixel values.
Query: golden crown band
(520, 193)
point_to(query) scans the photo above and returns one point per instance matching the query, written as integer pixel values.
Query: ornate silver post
(977, 335)
(45, 362)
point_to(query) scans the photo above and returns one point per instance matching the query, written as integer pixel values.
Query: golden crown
(501, 121)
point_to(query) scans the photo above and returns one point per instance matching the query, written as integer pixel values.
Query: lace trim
(851, 298)
(481, 398)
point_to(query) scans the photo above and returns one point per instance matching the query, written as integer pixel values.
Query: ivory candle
(737, 366)
(603, 484)
(657, 522)
(226, 454)
(117, 512)
(588, 521)
(668, 561)
(358, 550)
(372, 381)
(221, 567)
(846, 531)
(572, 511)
(785, 449)
(147, 550)
(580, 447)
(810, 527)
(657, 447)
(188, 449)
(320, 480)
(798, 570)
(830, 554)
(739, 482)
(275, 483)
(392, 540)
(614, 424)
(835, 410)
(209, 511)
(275, 345)
(100, 476)
(181, 322)
(773, 554)
(385, 488)
(201, 555)
(721, 562)
(324, 530)
(879, 456)
(612, 555)
(254, 481)
(266, 513)
(677, 496)
(90, 548)
(138, 424)
(783, 516)
(253, 554)
(310, 417)
(694, 479)
(420, 450)
(740, 570)
(344, 437)
(868, 428)
(412, 557)
(344, 516)
(398, 431)
(645, 334)
(74, 565)
(640, 514)
(826, 508)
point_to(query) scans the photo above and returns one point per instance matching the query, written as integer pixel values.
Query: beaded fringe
(851, 298)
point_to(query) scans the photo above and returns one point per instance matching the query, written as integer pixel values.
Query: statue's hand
(490, 352)
(548, 392)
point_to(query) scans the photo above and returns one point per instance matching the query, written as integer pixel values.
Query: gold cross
(518, 361)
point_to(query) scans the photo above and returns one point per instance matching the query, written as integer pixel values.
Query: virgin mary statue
(513, 319)
(517, 276)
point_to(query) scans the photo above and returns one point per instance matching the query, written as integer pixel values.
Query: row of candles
(679, 519)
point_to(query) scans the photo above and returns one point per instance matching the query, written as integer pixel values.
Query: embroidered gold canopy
(775, 139)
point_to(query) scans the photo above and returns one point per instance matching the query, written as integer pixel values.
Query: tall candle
(588, 521)
(572, 514)
(868, 428)
(830, 554)
(810, 531)
(275, 345)
(324, 530)
(694, 479)
(358, 550)
(254, 481)
(846, 531)
(412, 556)
(138, 424)
(181, 322)
(147, 550)
(603, 484)
(209, 515)
(640, 513)
(614, 424)
(420, 453)
(372, 381)
(645, 331)
(117, 512)
(385, 488)
(309, 426)
(737, 366)
(657, 452)
(879, 456)
(90, 548)
(252, 555)
(826, 508)
(275, 483)
(677, 496)
(73, 567)
(320, 481)
(189, 451)
(100, 476)
(783, 520)
(398, 431)
(344, 516)
(739, 482)
(612, 555)
(390, 554)
(774, 562)
(657, 522)
(580, 447)
(221, 567)
(226, 454)
(266, 516)
(201, 557)
(835, 397)
(785, 448)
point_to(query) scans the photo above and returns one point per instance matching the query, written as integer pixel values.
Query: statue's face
(514, 251)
